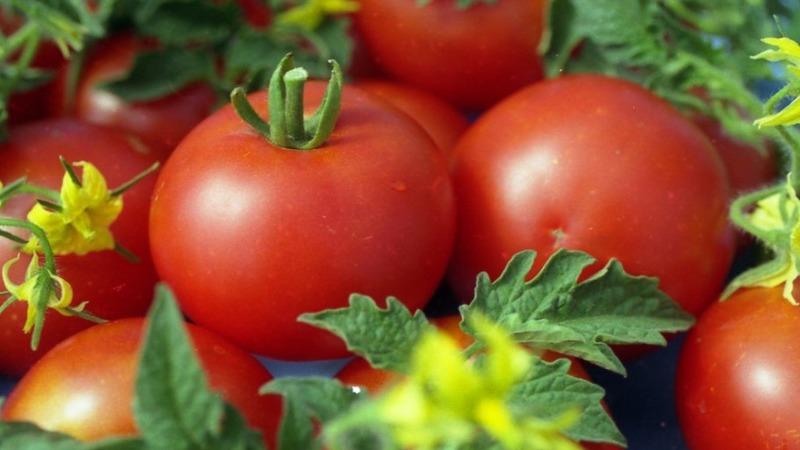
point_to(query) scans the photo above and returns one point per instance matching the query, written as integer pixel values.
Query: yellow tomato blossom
(446, 398)
(788, 51)
(28, 291)
(310, 15)
(82, 225)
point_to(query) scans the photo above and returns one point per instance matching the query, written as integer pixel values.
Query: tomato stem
(287, 126)
(295, 81)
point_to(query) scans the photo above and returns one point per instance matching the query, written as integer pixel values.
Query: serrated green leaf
(549, 391)
(173, 406)
(323, 398)
(384, 337)
(555, 312)
(159, 73)
(306, 400)
(190, 23)
(656, 45)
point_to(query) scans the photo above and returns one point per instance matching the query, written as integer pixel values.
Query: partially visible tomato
(443, 123)
(251, 235)
(360, 373)
(114, 287)
(471, 57)
(84, 387)
(748, 168)
(736, 382)
(162, 122)
(256, 12)
(594, 164)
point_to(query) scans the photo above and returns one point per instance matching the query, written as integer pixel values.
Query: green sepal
(555, 312)
(549, 390)
(150, 78)
(384, 337)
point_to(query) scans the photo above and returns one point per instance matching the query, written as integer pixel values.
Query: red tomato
(748, 168)
(162, 122)
(84, 387)
(360, 373)
(736, 375)
(251, 235)
(114, 287)
(594, 164)
(435, 47)
(443, 123)
(256, 12)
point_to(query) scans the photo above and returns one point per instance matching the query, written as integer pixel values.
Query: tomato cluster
(404, 194)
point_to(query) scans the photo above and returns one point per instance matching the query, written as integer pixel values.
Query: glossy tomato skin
(748, 167)
(434, 47)
(84, 387)
(162, 122)
(443, 123)
(360, 373)
(250, 236)
(736, 382)
(113, 287)
(594, 164)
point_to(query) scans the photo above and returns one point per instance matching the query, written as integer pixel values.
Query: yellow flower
(31, 286)
(449, 399)
(310, 15)
(788, 51)
(82, 225)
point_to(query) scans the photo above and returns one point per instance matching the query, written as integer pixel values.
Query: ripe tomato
(84, 387)
(748, 168)
(250, 235)
(256, 12)
(442, 122)
(594, 164)
(434, 47)
(114, 287)
(360, 373)
(736, 375)
(162, 122)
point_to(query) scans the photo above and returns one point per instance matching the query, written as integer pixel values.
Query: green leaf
(195, 23)
(173, 405)
(306, 400)
(656, 45)
(384, 337)
(27, 436)
(549, 391)
(152, 78)
(555, 312)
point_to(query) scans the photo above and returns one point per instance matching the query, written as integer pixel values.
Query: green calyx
(288, 127)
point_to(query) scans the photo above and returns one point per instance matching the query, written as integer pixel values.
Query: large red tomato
(162, 122)
(251, 235)
(443, 123)
(114, 287)
(471, 57)
(84, 387)
(736, 383)
(594, 164)
(360, 373)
